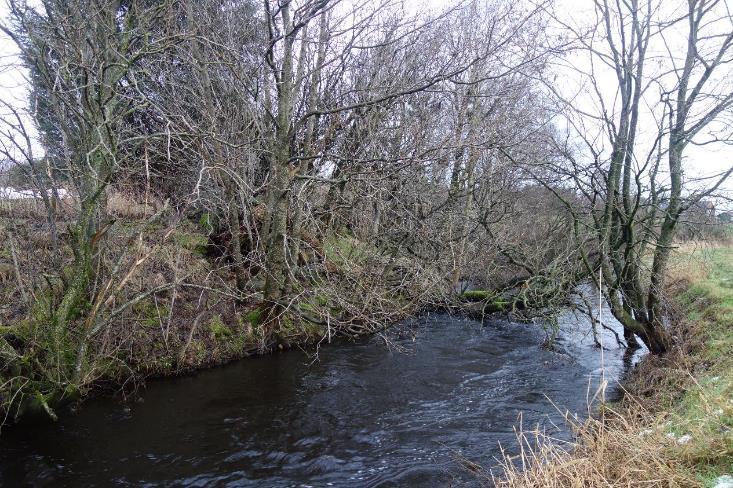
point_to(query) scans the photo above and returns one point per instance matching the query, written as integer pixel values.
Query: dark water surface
(361, 414)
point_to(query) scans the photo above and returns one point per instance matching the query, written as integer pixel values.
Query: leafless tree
(628, 212)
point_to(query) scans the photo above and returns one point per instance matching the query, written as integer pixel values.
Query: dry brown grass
(120, 204)
(33, 209)
(614, 450)
(637, 444)
(26, 208)
(125, 205)
(682, 271)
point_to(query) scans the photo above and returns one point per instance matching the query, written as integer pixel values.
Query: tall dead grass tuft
(612, 450)
(125, 205)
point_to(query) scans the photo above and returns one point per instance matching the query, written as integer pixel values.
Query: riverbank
(674, 427)
(168, 298)
(167, 302)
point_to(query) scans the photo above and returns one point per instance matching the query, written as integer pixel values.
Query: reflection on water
(362, 414)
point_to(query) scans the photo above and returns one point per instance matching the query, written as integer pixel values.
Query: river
(364, 413)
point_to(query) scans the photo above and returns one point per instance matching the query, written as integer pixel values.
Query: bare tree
(625, 205)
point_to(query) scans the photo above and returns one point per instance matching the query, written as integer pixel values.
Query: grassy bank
(674, 428)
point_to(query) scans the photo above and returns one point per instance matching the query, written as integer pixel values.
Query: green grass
(254, 317)
(219, 330)
(342, 250)
(191, 241)
(705, 410)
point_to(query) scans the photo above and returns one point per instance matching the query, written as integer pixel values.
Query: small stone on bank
(685, 439)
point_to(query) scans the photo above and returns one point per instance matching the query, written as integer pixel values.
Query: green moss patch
(219, 330)
(191, 241)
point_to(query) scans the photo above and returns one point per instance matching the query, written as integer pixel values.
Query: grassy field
(674, 428)
(704, 411)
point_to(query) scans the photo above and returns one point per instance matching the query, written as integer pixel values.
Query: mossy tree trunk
(81, 54)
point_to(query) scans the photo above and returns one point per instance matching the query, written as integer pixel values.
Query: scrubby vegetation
(167, 306)
(194, 182)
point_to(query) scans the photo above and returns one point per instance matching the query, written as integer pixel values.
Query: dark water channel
(361, 414)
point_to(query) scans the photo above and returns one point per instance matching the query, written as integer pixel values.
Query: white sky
(700, 161)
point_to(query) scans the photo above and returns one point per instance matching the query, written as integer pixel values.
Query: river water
(363, 413)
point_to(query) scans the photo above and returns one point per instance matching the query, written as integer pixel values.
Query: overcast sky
(700, 161)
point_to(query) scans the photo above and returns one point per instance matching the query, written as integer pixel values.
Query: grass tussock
(674, 427)
(123, 205)
(629, 448)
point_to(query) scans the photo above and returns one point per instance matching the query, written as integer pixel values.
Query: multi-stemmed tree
(631, 179)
